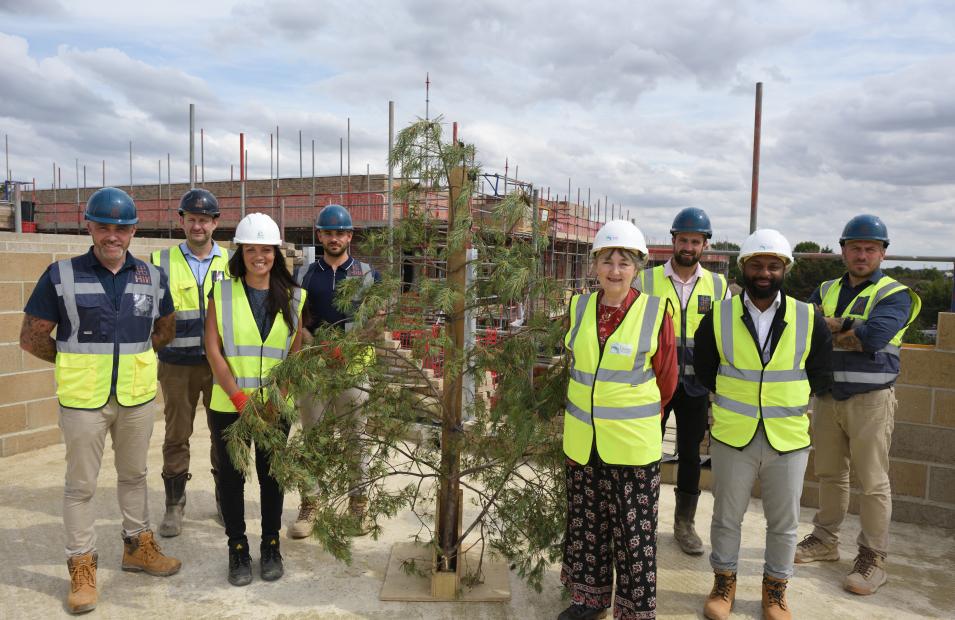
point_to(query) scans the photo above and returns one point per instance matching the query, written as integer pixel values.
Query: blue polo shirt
(320, 283)
(44, 302)
(199, 266)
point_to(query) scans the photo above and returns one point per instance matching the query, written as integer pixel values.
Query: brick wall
(28, 406)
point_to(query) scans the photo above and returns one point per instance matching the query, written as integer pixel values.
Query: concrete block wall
(922, 457)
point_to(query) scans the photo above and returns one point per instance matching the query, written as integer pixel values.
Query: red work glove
(239, 400)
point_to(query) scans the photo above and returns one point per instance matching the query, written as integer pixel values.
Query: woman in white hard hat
(251, 326)
(622, 372)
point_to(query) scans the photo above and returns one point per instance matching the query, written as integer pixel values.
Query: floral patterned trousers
(612, 523)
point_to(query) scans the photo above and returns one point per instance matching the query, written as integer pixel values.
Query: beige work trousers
(84, 432)
(350, 401)
(181, 386)
(854, 434)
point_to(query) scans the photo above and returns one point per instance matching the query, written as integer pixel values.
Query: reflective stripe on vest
(612, 394)
(84, 370)
(250, 359)
(876, 370)
(747, 391)
(708, 289)
(189, 297)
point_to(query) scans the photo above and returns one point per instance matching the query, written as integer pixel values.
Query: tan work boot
(719, 603)
(82, 597)
(774, 599)
(358, 508)
(302, 528)
(141, 553)
(814, 549)
(868, 573)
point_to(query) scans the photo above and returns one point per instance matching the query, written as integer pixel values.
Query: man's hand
(847, 340)
(164, 330)
(35, 338)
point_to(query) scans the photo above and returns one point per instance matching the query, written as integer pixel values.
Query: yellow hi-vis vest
(708, 289)
(859, 367)
(747, 391)
(250, 359)
(613, 394)
(99, 336)
(190, 298)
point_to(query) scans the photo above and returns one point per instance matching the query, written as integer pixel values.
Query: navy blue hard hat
(334, 217)
(111, 205)
(692, 220)
(200, 201)
(865, 227)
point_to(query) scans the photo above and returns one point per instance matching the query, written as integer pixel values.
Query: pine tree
(507, 452)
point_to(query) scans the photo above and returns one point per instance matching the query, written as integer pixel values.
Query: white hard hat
(257, 228)
(766, 241)
(620, 234)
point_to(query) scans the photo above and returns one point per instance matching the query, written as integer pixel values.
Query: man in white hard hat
(763, 354)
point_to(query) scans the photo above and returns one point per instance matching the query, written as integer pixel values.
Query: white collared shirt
(683, 287)
(763, 320)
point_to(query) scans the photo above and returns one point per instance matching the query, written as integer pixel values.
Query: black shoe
(582, 612)
(240, 564)
(271, 561)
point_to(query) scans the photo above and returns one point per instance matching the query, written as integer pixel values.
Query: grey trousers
(311, 412)
(84, 433)
(780, 477)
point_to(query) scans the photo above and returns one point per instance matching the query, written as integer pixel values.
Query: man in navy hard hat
(692, 291)
(111, 312)
(867, 313)
(320, 280)
(193, 267)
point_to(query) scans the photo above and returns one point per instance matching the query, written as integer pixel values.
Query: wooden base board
(400, 586)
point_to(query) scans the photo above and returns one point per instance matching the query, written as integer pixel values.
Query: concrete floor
(34, 580)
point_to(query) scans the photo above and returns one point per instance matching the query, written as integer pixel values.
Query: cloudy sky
(648, 103)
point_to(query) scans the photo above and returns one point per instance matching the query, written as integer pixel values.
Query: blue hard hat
(865, 227)
(111, 205)
(692, 220)
(334, 217)
(199, 201)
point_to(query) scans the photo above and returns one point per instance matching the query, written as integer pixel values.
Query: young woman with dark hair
(244, 341)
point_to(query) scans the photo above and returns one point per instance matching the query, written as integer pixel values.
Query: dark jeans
(691, 413)
(232, 484)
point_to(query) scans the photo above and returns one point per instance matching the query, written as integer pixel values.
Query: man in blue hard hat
(692, 291)
(867, 313)
(320, 280)
(111, 313)
(193, 267)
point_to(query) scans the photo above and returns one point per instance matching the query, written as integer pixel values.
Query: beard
(762, 292)
(336, 253)
(686, 261)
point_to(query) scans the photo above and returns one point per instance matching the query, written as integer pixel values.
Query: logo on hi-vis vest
(859, 306)
(217, 276)
(142, 275)
(704, 303)
(619, 348)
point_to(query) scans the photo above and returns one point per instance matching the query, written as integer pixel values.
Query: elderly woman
(623, 371)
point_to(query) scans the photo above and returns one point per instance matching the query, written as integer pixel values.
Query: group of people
(197, 321)
(646, 343)
(642, 345)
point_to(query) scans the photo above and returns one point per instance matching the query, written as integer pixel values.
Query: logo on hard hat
(114, 212)
(259, 235)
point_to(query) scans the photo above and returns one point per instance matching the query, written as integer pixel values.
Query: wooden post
(449, 499)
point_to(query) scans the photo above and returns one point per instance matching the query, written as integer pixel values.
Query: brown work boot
(358, 508)
(141, 553)
(719, 603)
(774, 599)
(302, 528)
(82, 597)
(814, 549)
(868, 573)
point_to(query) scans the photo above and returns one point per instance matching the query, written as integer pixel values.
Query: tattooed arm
(164, 330)
(35, 338)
